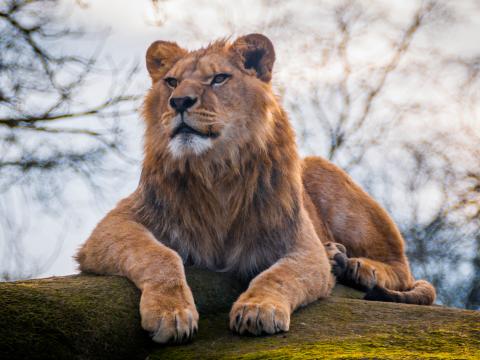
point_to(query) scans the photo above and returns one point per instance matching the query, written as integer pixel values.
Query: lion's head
(211, 102)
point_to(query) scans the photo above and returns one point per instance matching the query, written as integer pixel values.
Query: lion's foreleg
(304, 275)
(124, 247)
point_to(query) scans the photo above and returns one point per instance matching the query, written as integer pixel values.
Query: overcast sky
(131, 27)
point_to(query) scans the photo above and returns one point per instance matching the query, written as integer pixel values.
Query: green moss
(343, 329)
(426, 346)
(375, 347)
(79, 317)
(96, 317)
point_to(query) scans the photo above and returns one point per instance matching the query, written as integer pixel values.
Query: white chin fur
(184, 144)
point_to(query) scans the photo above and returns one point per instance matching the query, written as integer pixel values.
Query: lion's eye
(172, 82)
(219, 79)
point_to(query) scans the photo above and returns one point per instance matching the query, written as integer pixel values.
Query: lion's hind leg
(355, 272)
(363, 273)
(382, 281)
(337, 255)
(360, 273)
(367, 273)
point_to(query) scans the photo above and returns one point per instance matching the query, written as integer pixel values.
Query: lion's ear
(256, 52)
(161, 56)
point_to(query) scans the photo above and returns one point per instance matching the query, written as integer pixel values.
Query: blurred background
(388, 90)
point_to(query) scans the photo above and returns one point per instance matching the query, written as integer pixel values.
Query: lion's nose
(181, 104)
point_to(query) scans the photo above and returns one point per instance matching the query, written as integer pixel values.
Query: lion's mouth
(183, 128)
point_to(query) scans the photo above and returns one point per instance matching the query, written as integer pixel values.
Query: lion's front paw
(170, 316)
(257, 316)
(174, 326)
(360, 274)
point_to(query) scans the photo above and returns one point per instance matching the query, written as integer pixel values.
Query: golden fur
(222, 187)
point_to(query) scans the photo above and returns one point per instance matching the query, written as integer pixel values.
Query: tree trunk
(96, 317)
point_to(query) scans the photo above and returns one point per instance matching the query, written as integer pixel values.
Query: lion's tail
(422, 293)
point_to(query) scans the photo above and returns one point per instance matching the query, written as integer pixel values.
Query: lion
(223, 187)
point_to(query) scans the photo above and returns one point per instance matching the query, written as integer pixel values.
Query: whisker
(168, 113)
(211, 123)
(204, 113)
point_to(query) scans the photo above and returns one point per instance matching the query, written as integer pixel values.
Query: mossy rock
(96, 317)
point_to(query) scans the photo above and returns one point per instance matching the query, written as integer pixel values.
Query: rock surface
(96, 317)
